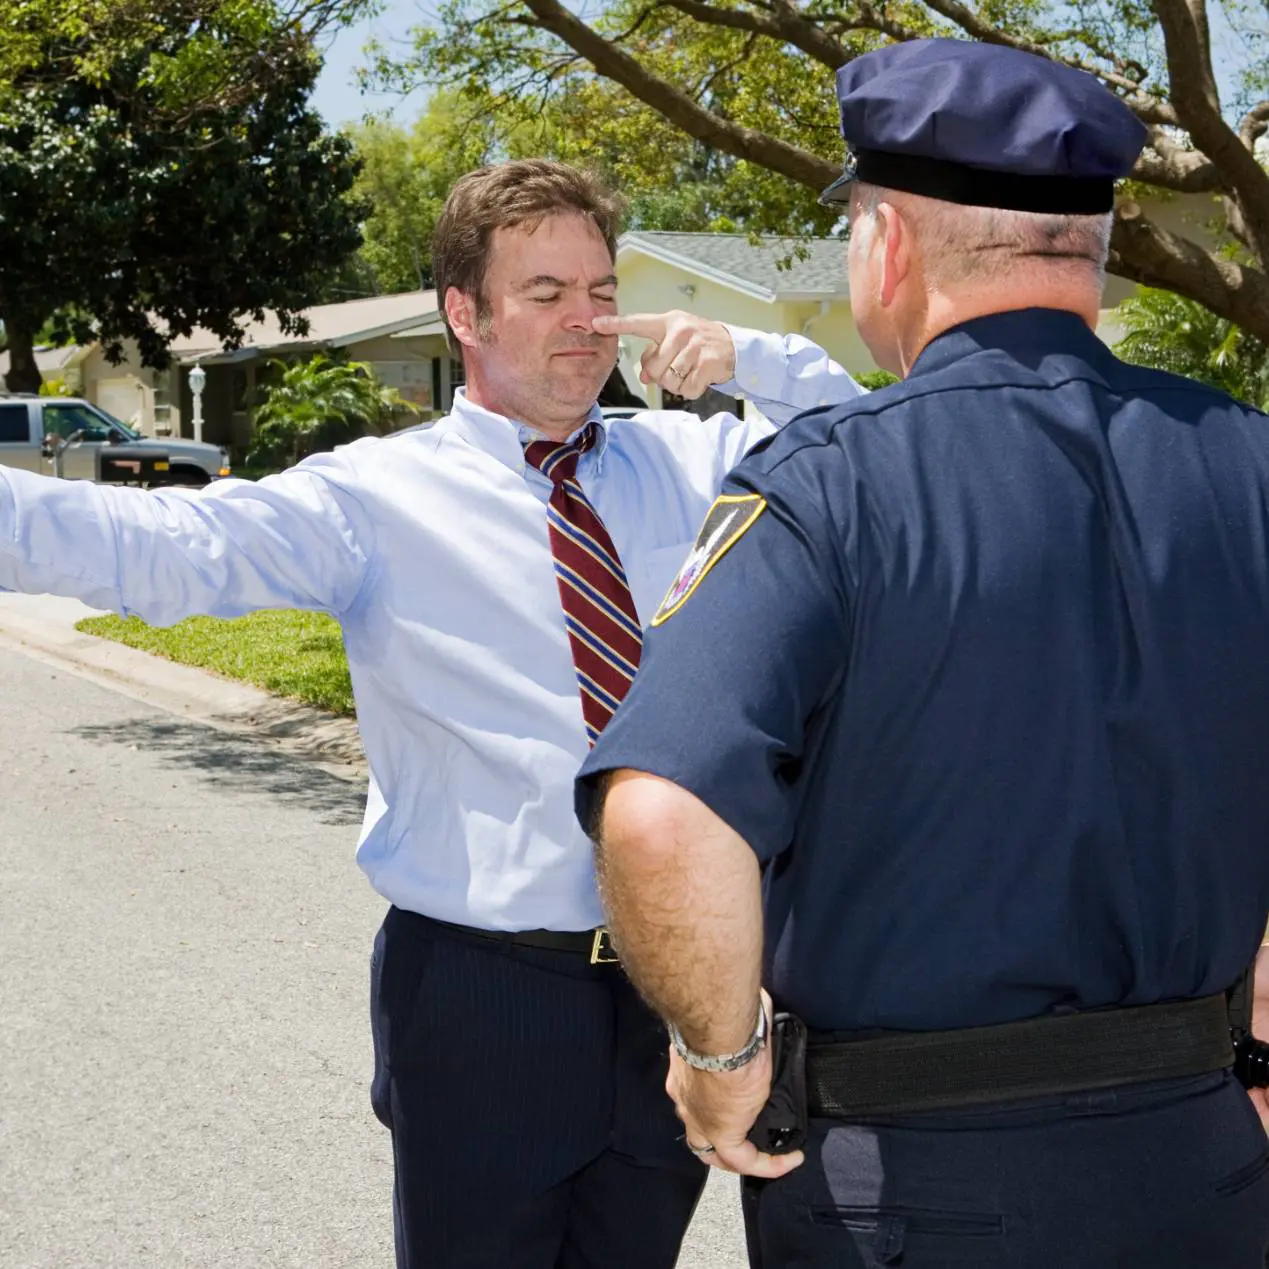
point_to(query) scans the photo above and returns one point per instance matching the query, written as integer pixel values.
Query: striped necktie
(599, 613)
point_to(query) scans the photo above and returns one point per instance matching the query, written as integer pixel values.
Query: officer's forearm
(684, 905)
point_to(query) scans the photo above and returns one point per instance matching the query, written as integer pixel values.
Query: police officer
(974, 668)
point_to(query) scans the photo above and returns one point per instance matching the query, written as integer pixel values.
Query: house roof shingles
(755, 269)
(329, 324)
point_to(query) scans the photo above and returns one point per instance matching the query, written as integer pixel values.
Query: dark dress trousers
(524, 1089)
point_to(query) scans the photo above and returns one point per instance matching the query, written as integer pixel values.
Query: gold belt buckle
(601, 950)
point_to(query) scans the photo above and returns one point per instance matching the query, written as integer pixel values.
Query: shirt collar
(504, 439)
(1028, 335)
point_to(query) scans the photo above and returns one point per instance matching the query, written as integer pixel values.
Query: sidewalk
(43, 626)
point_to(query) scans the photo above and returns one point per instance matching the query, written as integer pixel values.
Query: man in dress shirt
(520, 1075)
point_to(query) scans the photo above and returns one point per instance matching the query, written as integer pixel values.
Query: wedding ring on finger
(677, 373)
(699, 1151)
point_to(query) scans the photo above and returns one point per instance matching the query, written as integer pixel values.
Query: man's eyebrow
(542, 279)
(548, 279)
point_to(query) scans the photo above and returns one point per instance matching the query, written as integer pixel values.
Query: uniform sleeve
(297, 540)
(750, 642)
(784, 376)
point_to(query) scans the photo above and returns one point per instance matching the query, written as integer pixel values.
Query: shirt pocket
(660, 568)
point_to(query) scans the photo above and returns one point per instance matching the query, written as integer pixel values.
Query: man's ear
(460, 313)
(896, 251)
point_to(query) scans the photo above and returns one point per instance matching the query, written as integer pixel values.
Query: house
(361, 330)
(159, 402)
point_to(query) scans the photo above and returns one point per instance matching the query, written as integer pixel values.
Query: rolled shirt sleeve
(747, 647)
(786, 375)
(297, 540)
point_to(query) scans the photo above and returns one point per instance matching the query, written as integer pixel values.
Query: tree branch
(1147, 253)
(1254, 125)
(786, 25)
(1197, 104)
(1171, 166)
(679, 108)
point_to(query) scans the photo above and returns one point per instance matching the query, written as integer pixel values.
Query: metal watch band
(723, 1061)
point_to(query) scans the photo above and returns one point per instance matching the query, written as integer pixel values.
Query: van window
(15, 427)
(66, 420)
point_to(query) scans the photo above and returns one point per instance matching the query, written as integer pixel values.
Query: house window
(15, 426)
(447, 375)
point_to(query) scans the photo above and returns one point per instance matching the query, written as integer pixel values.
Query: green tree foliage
(160, 169)
(749, 82)
(317, 404)
(874, 379)
(406, 175)
(670, 181)
(1169, 332)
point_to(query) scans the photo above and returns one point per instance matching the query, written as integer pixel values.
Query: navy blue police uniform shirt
(979, 667)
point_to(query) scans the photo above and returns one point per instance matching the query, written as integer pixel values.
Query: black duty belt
(596, 945)
(903, 1073)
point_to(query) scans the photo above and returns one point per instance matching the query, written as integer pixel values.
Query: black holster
(1251, 1056)
(781, 1124)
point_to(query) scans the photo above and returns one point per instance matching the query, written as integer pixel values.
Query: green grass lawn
(297, 654)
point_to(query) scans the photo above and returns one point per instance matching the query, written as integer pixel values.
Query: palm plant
(1167, 331)
(317, 404)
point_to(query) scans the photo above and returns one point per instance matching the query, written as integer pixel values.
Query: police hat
(983, 125)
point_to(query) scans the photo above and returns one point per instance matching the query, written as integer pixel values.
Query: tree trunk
(23, 374)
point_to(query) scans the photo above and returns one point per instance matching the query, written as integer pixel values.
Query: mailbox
(123, 465)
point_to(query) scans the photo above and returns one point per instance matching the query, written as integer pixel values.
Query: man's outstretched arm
(296, 540)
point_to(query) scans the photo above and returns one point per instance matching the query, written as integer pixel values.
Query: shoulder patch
(731, 516)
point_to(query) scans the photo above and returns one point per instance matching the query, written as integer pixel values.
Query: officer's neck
(942, 311)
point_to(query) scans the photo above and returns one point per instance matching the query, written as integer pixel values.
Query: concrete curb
(43, 627)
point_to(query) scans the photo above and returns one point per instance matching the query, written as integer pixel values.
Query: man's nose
(581, 310)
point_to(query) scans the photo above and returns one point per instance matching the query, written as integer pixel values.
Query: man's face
(536, 353)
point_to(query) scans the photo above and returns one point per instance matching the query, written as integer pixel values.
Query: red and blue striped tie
(603, 626)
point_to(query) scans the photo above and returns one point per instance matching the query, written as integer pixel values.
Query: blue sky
(337, 96)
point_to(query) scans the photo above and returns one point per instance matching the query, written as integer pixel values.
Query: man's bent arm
(786, 375)
(295, 540)
(682, 893)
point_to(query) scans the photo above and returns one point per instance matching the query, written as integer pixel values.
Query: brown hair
(502, 196)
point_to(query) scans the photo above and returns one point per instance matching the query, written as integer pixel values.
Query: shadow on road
(240, 763)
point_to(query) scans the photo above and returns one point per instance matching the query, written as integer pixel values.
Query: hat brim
(838, 193)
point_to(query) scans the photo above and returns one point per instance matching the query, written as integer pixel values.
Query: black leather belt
(594, 944)
(906, 1072)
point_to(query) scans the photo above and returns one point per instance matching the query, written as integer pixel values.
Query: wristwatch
(723, 1061)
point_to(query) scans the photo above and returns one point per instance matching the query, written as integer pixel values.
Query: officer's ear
(895, 246)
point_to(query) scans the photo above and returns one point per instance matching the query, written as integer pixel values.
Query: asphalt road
(184, 1052)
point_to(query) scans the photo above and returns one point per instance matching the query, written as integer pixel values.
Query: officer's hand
(686, 355)
(719, 1108)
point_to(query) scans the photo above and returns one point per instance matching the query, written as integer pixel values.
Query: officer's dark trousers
(1169, 1176)
(525, 1092)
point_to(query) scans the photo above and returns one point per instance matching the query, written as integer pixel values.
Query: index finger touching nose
(642, 325)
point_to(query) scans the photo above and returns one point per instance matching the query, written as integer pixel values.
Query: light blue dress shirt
(430, 547)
